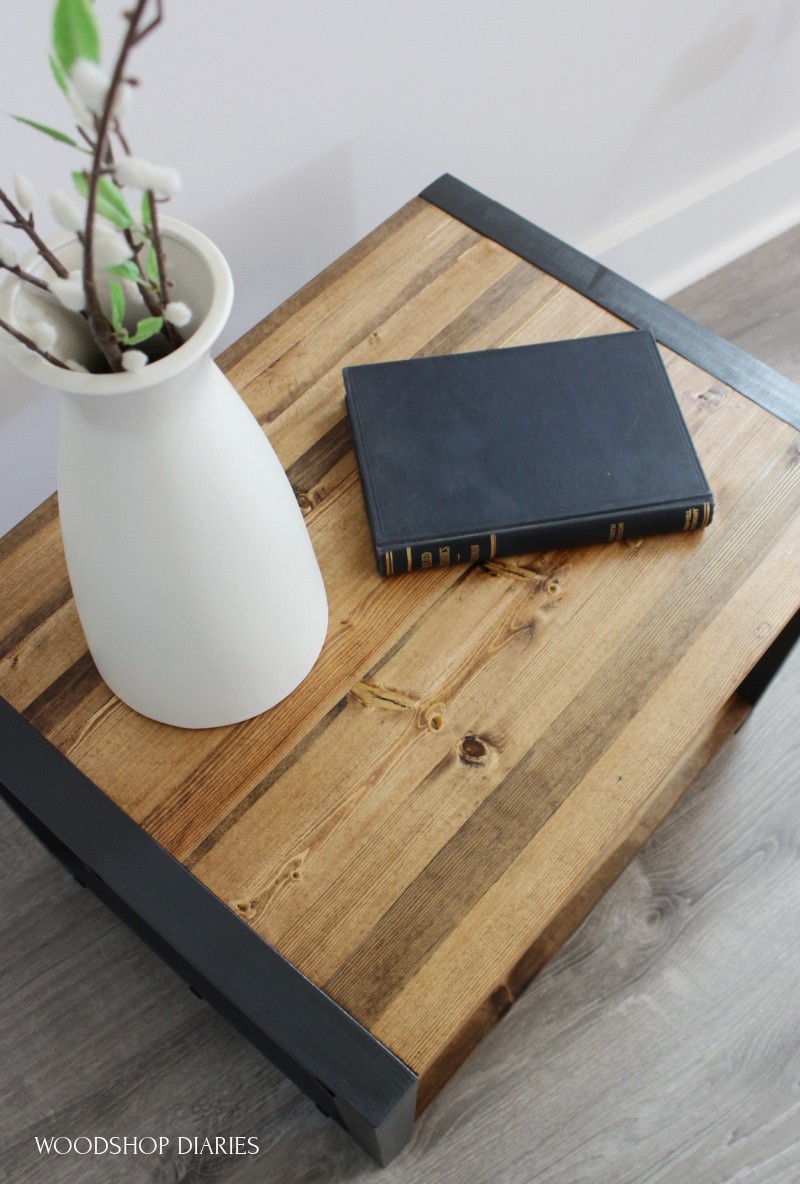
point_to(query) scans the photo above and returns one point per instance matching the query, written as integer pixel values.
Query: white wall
(664, 137)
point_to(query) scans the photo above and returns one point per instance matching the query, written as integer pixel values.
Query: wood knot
(311, 498)
(714, 395)
(554, 588)
(472, 750)
(510, 569)
(245, 908)
(434, 716)
(372, 694)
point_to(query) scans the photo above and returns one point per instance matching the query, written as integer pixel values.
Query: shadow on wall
(278, 238)
(703, 64)
(28, 444)
(695, 71)
(786, 22)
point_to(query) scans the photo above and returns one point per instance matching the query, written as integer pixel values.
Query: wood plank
(430, 910)
(597, 879)
(401, 751)
(594, 817)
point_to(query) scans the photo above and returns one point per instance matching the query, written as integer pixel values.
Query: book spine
(483, 548)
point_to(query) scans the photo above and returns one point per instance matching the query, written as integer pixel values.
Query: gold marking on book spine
(408, 557)
(620, 530)
(444, 557)
(612, 534)
(706, 513)
(687, 521)
(695, 518)
(388, 564)
(475, 552)
(427, 559)
(492, 545)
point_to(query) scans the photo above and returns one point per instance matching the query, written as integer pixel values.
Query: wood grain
(479, 750)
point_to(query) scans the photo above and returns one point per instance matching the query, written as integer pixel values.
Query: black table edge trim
(611, 291)
(343, 1068)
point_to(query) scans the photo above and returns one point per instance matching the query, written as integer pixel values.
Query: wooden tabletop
(479, 749)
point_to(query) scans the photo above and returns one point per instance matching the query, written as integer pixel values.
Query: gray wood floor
(661, 1046)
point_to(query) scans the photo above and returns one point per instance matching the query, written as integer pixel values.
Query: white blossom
(26, 196)
(134, 359)
(122, 100)
(109, 246)
(81, 111)
(44, 335)
(132, 294)
(141, 174)
(76, 276)
(8, 253)
(69, 293)
(177, 313)
(91, 84)
(73, 365)
(65, 210)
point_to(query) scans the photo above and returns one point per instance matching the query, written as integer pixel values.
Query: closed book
(476, 456)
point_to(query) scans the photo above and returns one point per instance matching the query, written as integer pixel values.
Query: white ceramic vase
(193, 573)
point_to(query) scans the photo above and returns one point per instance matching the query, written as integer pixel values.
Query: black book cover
(480, 455)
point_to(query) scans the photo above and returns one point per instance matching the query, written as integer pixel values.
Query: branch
(158, 246)
(151, 299)
(27, 276)
(54, 361)
(123, 141)
(157, 19)
(82, 131)
(26, 224)
(103, 332)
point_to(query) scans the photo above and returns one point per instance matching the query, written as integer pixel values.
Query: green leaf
(109, 202)
(147, 327)
(147, 210)
(126, 270)
(75, 33)
(48, 131)
(58, 73)
(117, 303)
(151, 267)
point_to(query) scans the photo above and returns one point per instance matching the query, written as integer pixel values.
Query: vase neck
(180, 393)
(202, 280)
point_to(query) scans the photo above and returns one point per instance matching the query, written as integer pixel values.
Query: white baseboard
(686, 237)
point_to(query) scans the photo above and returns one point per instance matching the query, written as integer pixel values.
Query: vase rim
(126, 382)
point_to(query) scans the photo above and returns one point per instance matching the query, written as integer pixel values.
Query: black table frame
(342, 1067)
